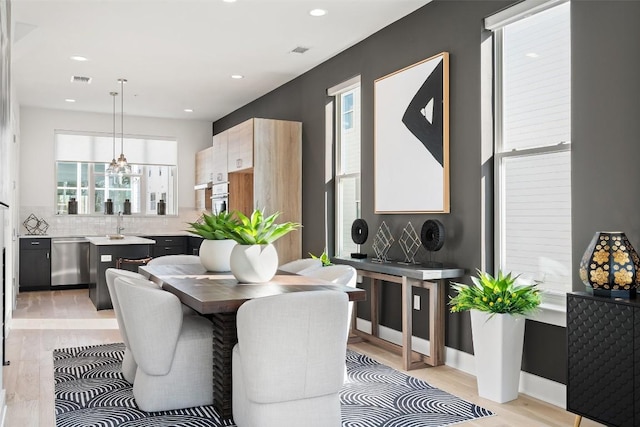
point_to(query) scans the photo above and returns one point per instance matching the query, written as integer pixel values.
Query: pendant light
(123, 166)
(113, 166)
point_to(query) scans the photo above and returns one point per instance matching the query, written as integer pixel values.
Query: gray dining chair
(288, 364)
(174, 353)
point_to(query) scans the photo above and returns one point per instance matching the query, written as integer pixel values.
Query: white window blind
(533, 159)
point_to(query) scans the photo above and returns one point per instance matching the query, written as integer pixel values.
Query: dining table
(218, 297)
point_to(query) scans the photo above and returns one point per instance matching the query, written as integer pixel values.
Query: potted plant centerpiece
(497, 306)
(215, 249)
(254, 259)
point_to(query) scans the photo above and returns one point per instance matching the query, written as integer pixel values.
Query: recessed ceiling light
(188, 110)
(70, 100)
(317, 12)
(79, 58)
(229, 1)
(532, 55)
(237, 76)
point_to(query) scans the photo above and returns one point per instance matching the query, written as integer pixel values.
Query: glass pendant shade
(113, 165)
(610, 266)
(123, 166)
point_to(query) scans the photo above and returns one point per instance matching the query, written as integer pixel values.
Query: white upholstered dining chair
(175, 259)
(129, 365)
(301, 266)
(339, 274)
(173, 352)
(289, 361)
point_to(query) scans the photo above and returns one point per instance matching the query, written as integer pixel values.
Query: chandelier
(123, 167)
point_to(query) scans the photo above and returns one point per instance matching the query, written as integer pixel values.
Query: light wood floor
(47, 320)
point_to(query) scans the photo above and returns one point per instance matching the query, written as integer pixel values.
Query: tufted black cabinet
(603, 349)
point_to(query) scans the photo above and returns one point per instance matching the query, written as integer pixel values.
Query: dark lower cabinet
(194, 243)
(603, 350)
(168, 245)
(35, 263)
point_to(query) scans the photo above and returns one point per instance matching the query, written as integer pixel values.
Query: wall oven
(219, 197)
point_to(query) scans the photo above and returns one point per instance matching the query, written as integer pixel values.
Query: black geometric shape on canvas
(424, 116)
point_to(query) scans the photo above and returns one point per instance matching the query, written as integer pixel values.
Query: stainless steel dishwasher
(69, 261)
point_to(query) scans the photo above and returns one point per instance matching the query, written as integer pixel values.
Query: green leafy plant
(258, 229)
(495, 295)
(213, 226)
(324, 258)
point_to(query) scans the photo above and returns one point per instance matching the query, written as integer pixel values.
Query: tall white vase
(254, 263)
(215, 255)
(497, 345)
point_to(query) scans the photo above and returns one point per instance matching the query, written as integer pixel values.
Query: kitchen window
(79, 177)
(532, 117)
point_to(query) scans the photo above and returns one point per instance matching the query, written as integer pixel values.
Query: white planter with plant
(254, 259)
(215, 249)
(497, 308)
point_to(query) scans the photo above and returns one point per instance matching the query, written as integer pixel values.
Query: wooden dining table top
(207, 292)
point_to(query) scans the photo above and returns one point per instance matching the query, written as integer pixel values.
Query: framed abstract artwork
(411, 154)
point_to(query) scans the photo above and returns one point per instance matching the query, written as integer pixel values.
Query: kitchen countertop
(127, 240)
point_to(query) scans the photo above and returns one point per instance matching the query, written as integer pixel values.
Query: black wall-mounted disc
(359, 231)
(432, 235)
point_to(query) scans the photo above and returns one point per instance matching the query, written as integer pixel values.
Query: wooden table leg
(407, 323)
(577, 421)
(225, 336)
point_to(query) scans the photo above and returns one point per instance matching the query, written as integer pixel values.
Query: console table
(431, 278)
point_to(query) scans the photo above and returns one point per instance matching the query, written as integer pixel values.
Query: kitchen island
(104, 252)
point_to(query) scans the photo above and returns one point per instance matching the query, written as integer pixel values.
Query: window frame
(340, 177)
(554, 305)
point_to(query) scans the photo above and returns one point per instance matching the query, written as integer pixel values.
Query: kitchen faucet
(119, 226)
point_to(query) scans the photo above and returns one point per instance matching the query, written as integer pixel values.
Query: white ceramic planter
(497, 345)
(215, 255)
(254, 263)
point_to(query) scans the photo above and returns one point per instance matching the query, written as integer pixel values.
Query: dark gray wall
(605, 148)
(606, 103)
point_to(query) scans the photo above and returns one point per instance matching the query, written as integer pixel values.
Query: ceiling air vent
(300, 50)
(80, 79)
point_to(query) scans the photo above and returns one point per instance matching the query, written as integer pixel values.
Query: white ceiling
(179, 54)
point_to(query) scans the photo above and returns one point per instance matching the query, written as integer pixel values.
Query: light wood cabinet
(219, 162)
(240, 146)
(204, 165)
(273, 181)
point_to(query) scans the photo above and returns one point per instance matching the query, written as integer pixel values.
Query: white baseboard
(3, 407)
(532, 385)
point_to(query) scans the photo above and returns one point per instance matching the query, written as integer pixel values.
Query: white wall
(36, 179)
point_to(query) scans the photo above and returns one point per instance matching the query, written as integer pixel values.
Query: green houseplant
(254, 259)
(324, 258)
(215, 249)
(497, 305)
(495, 295)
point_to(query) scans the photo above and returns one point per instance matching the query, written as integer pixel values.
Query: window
(347, 163)
(80, 176)
(532, 72)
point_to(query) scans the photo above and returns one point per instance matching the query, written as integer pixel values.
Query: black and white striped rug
(90, 391)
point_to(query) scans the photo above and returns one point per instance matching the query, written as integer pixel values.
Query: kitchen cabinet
(603, 350)
(240, 146)
(35, 264)
(193, 245)
(265, 172)
(219, 158)
(204, 174)
(168, 245)
(104, 253)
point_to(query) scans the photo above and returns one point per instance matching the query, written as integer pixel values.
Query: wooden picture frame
(411, 146)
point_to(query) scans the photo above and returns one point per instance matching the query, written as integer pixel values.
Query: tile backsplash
(96, 225)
